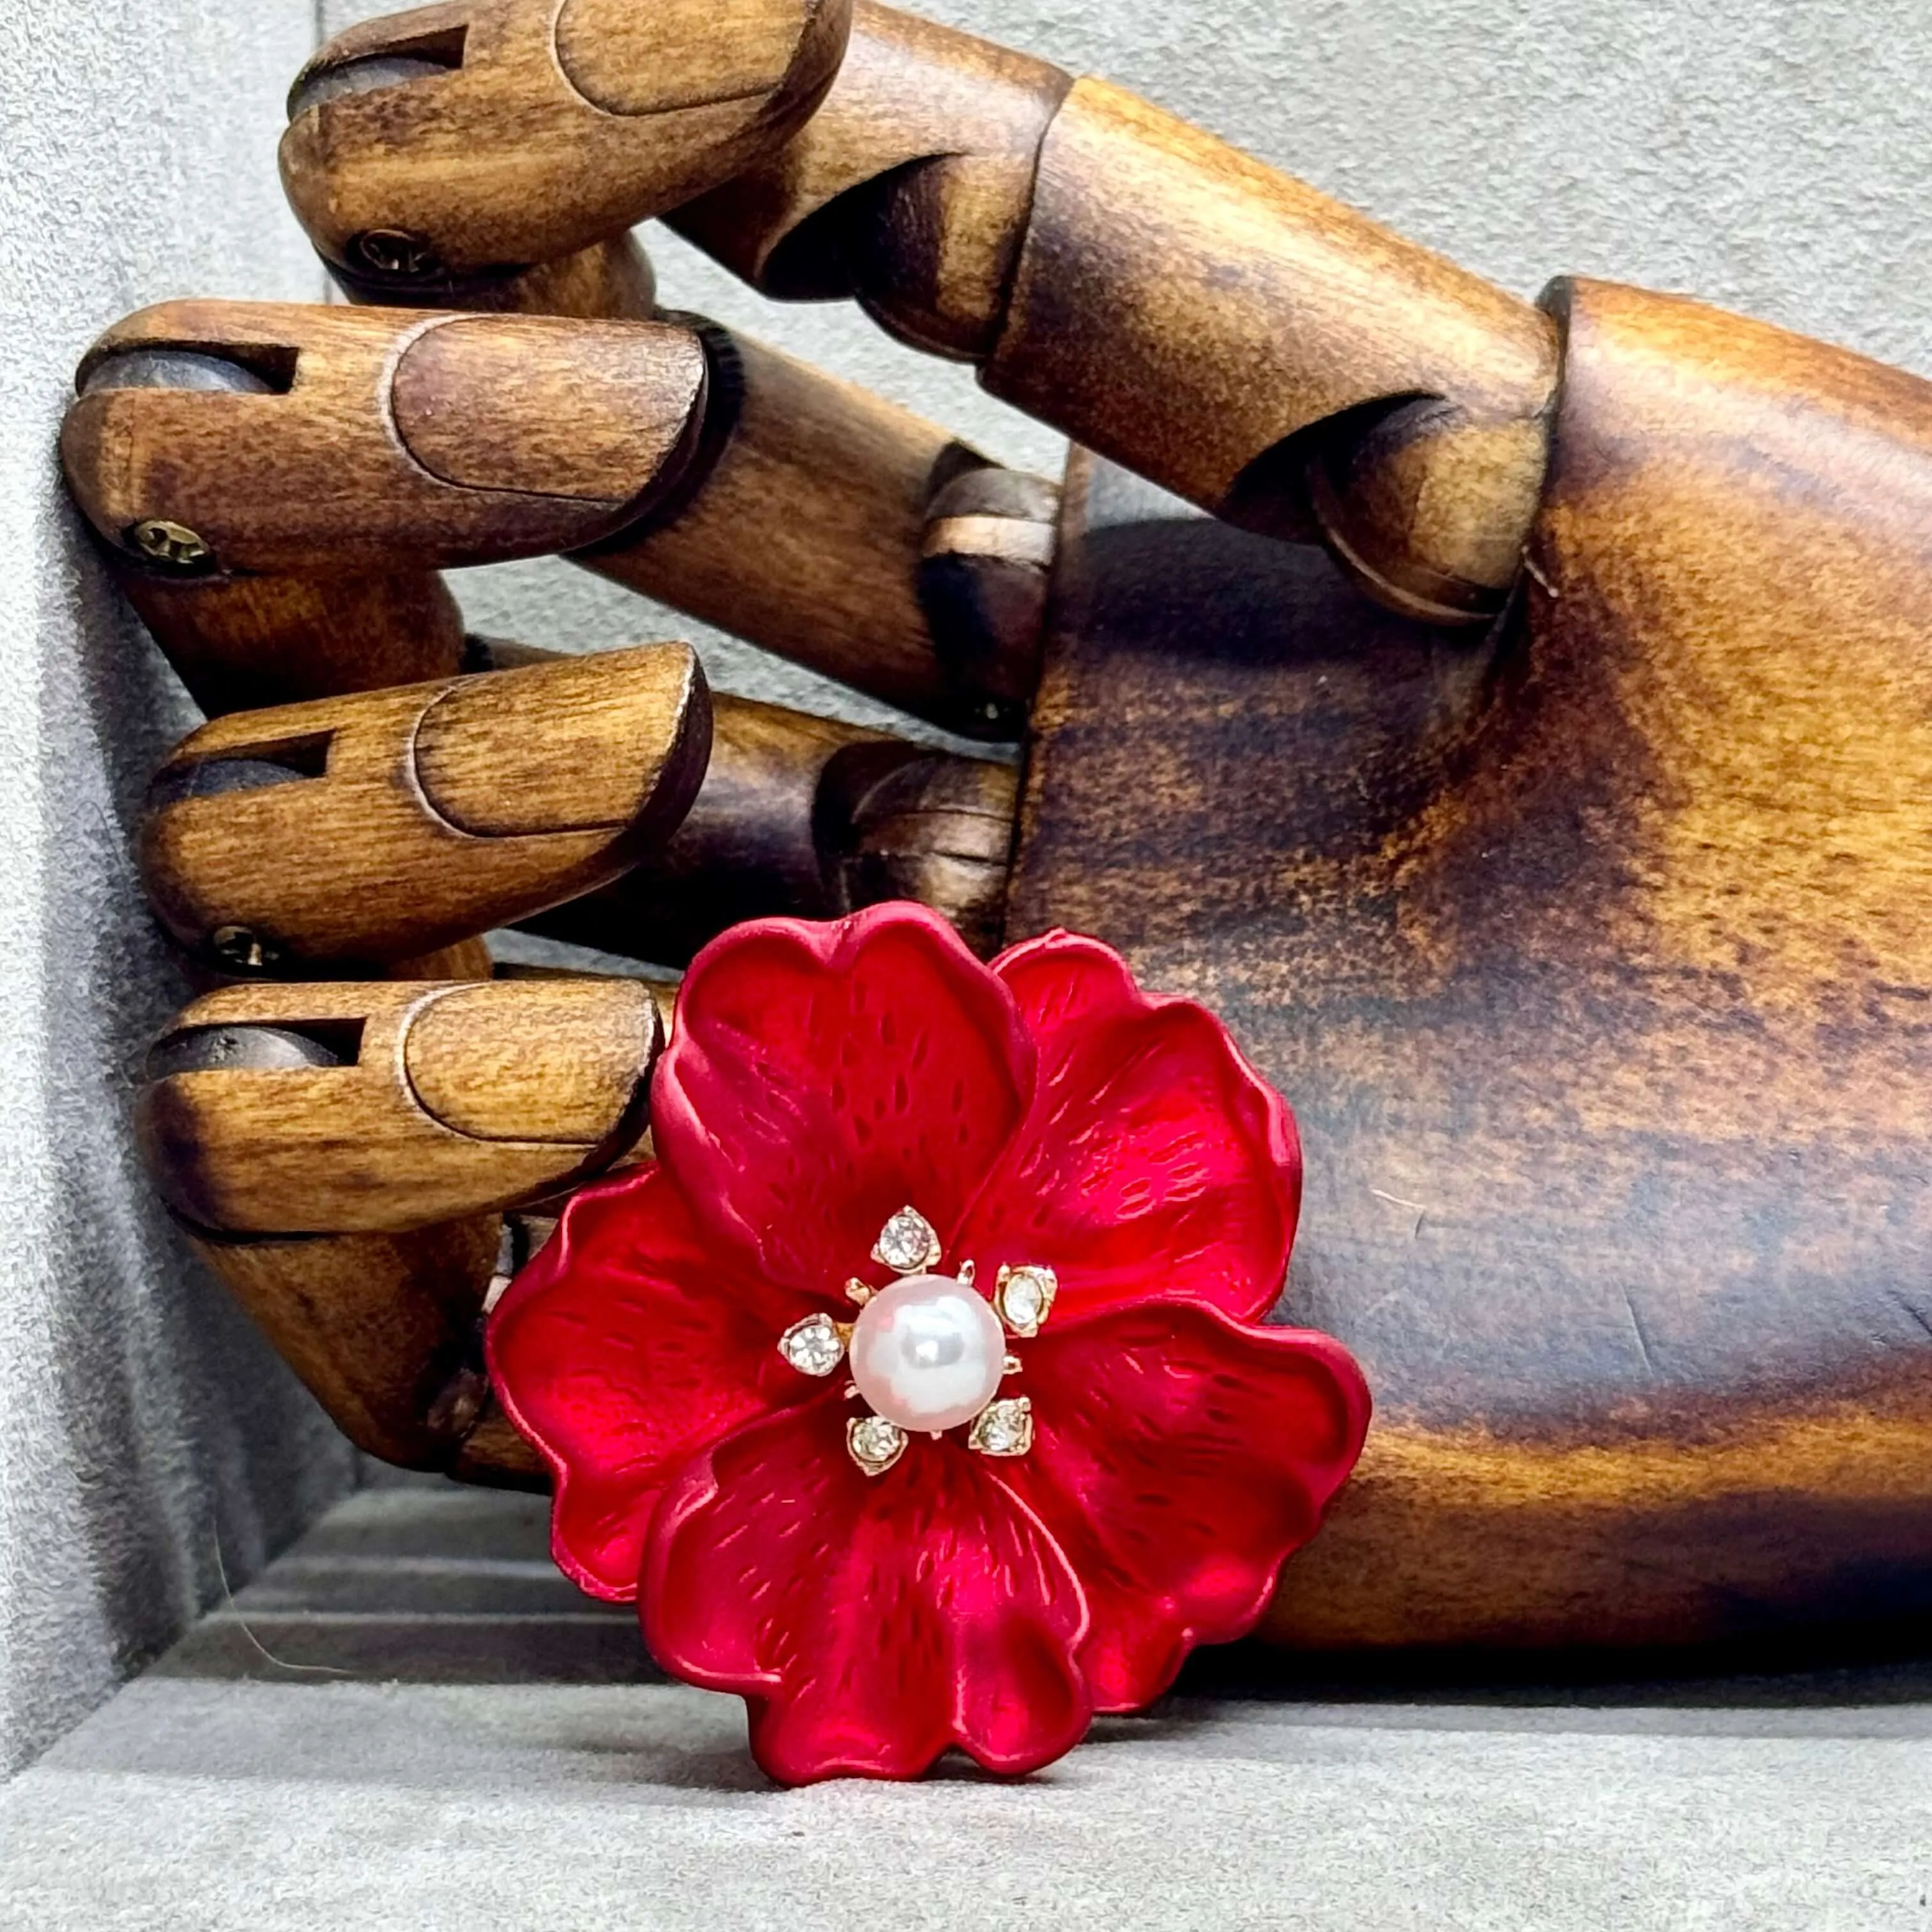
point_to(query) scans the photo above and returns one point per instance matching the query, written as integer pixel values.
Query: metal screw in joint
(238, 948)
(396, 253)
(170, 546)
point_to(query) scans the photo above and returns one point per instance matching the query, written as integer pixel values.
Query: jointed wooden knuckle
(460, 141)
(1248, 343)
(811, 818)
(377, 826)
(379, 1107)
(909, 188)
(804, 524)
(247, 437)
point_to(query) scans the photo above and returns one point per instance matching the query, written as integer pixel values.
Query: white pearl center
(928, 1353)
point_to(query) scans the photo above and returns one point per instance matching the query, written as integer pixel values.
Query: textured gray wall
(140, 1416)
(1763, 154)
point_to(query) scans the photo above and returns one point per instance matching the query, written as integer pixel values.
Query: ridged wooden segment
(810, 818)
(1187, 311)
(908, 188)
(805, 532)
(1220, 328)
(409, 1127)
(1592, 957)
(461, 138)
(387, 823)
(386, 395)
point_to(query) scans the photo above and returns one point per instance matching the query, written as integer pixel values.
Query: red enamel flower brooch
(916, 1392)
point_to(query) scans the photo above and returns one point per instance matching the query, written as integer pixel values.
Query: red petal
(821, 1077)
(869, 1621)
(621, 1351)
(1178, 1458)
(1154, 1158)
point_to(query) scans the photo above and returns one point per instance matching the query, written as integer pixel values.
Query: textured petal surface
(1153, 1160)
(621, 1351)
(1178, 1458)
(821, 1077)
(869, 1621)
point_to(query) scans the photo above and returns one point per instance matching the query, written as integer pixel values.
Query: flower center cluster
(928, 1352)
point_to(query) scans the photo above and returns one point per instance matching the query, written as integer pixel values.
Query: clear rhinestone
(906, 1243)
(1024, 1297)
(814, 1346)
(875, 1443)
(1004, 1428)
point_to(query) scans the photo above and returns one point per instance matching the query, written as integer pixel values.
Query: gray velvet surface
(1766, 155)
(453, 1741)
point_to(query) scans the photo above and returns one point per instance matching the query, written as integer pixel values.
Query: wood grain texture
(1226, 331)
(483, 1081)
(908, 188)
(375, 1325)
(387, 823)
(1191, 314)
(493, 403)
(239, 643)
(803, 528)
(401, 1132)
(521, 130)
(1591, 956)
(809, 818)
(312, 477)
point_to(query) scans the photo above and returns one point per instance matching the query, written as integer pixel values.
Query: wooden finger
(1250, 344)
(378, 438)
(808, 526)
(810, 818)
(238, 643)
(435, 1102)
(1269, 355)
(387, 823)
(377, 1326)
(241, 642)
(454, 139)
(908, 188)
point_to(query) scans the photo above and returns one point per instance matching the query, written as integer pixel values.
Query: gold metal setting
(907, 1243)
(816, 1346)
(874, 1444)
(1023, 1297)
(1004, 1427)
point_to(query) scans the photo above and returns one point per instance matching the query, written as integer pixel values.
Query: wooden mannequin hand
(1570, 882)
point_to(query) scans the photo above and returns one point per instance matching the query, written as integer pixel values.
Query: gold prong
(857, 1291)
(967, 1270)
(1023, 1296)
(874, 1444)
(908, 1244)
(816, 1346)
(1011, 1366)
(1004, 1427)
(851, 1391)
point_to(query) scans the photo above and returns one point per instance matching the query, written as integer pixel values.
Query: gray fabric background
(1766, 155)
